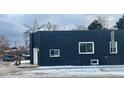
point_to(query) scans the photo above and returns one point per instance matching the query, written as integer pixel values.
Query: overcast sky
(11, 25)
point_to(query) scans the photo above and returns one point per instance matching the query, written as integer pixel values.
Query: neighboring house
(53, 48)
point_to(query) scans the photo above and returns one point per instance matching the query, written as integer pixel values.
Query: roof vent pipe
(112, 36)
(112, 40)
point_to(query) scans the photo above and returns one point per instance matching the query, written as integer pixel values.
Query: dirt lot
(9, 70)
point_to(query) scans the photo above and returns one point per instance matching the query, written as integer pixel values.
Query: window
(54, 52)
(86, 47)
(94, 61)
(113, 47)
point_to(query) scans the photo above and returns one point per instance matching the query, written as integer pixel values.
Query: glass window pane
(114, 50)
(83, 47)
(86, 48)
(113, 47)
(52, 52)
(56, 52)
(89, 47)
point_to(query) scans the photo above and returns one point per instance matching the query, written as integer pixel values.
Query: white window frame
(97, 61)
(54, 50)
(86, 43)
(116, 47)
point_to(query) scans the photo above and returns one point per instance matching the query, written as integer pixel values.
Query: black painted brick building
(52, 48)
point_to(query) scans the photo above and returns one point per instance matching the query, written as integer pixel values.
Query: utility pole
(16, 47)
(16, 44)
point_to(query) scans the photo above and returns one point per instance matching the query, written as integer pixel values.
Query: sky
(12, 25)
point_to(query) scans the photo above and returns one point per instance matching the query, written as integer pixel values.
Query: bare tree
(34, 27)
(31, 28)
(113, 28)
(50, 26)
(26, 36)
(103, 21)
(79, 27)
(4, 43)
(22, 49)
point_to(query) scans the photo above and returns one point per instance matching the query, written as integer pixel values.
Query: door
(35, 56)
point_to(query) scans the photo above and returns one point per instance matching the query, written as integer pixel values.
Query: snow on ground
(69, 71)
(26, 70)
(25, 61)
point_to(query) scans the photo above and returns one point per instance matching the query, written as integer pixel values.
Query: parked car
(25, 57)
(8, 57)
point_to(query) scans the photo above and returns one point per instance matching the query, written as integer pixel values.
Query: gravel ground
(9, 70)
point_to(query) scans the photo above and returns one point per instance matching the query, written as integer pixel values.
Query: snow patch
(25, 61)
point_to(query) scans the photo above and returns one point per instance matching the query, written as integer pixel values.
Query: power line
(16, 43)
